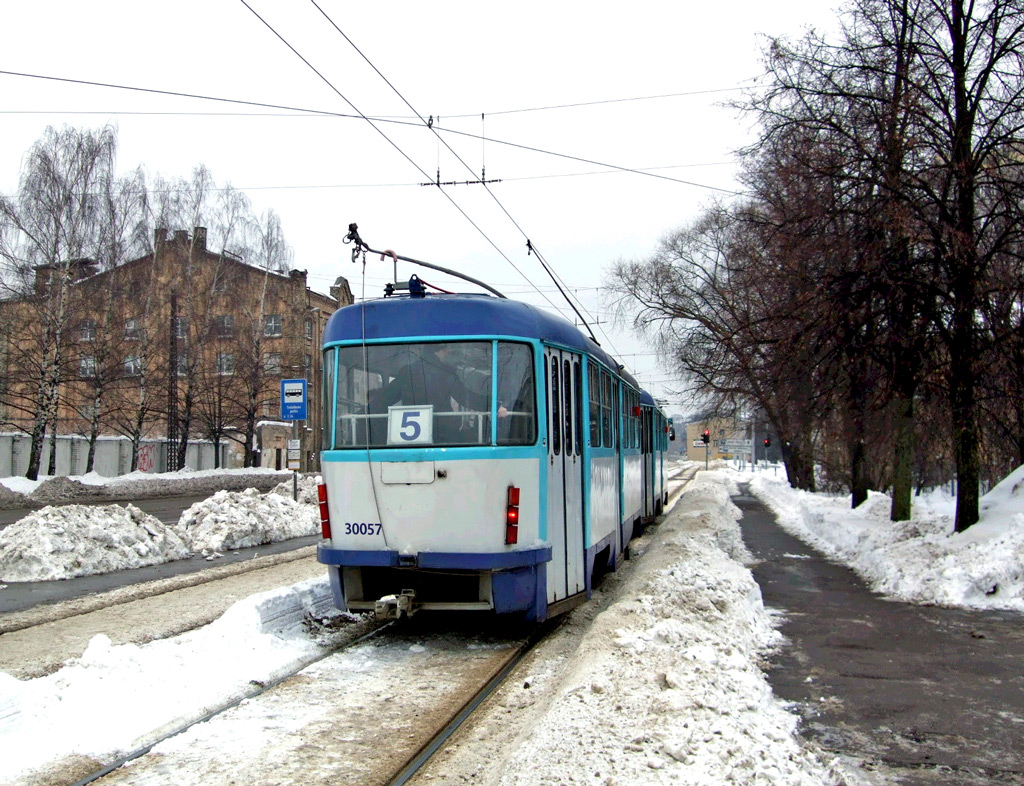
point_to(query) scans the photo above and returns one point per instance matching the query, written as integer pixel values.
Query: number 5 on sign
(410, 425)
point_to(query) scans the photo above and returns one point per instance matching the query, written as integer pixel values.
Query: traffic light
(706, 436)
(767, 442)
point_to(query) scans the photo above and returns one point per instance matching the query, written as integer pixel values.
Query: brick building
(179, 346)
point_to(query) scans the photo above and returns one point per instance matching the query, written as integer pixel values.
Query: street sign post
(294, 407)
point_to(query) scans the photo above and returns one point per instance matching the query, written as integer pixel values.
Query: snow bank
(77, 540)
(80, 540)
(666, 688)
(307, 489)
(921, 560)
(137, 691)
(238, 519)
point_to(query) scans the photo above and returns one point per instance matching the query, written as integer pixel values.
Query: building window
(307, 365)
(224, 326)
(272, 363)
(181, 327)
(87, 330)
(182, 363)
(132, 329)
(308, 327)
(87, 366)
(225, 363)
(133, 365)
(272, 325)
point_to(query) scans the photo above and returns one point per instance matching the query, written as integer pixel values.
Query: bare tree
(50, 229)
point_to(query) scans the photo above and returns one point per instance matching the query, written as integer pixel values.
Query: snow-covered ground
(666, 688)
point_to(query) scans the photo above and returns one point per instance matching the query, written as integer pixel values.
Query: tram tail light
(325, 514)
(512, 517)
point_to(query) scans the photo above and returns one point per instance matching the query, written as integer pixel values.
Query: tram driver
(431, 377)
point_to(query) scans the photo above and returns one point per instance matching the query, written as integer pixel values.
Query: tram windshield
(425, 394)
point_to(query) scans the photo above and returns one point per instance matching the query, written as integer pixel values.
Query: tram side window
(555, 423)
(607, 433)
(567, 413)
(577, 383)
(594, 382)
(627, 433)
(328, 398)
(516, 394)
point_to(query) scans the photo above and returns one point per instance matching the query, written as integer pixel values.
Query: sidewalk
(918, 695)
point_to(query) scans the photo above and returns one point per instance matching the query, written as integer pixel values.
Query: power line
(385, 136)
(371, 120)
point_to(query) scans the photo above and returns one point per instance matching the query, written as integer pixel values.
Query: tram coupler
(392, 607)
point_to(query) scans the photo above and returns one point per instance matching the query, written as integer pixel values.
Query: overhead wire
(430, 125)
(331, 114)
(380, 132)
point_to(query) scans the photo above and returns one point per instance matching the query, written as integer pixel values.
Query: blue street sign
(293, 399)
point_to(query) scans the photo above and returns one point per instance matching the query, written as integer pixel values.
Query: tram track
(258, 690)
(412, 713)
(387, 702)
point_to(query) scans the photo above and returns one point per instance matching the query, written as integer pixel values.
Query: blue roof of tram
(442, 316)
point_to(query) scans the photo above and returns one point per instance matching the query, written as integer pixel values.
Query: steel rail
(419, 759)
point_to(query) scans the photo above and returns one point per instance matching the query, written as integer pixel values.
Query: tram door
(563, 373)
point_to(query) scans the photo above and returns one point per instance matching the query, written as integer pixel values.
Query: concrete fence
(113, 455)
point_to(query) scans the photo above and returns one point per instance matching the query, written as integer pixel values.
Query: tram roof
(443, 316)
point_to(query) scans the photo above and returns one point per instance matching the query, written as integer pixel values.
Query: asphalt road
(921, 695)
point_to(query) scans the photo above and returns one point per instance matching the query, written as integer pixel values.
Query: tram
(479, 454)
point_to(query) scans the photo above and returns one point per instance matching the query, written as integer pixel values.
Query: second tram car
(479, 454)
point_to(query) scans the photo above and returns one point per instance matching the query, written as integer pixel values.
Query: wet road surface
(921, 695)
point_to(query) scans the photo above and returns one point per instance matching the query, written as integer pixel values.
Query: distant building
(182, 345)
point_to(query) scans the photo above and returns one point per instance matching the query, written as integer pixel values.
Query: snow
(92, 706)
(239, 519)
(79, 540)
(666, 687)
(82, 540)
(921, 560)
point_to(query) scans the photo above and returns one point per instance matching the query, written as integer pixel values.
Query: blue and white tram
(479, 454)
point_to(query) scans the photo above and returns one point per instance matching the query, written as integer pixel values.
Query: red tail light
(512, 517)
(325, 514)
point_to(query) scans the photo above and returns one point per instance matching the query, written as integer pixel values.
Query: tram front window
(416, 395)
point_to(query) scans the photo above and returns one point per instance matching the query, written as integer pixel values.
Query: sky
(641, 89)
(686, 634)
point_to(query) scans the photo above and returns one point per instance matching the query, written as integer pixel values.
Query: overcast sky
(638, 86)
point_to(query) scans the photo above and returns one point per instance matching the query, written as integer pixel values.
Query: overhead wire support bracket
(463, 183)
(362, 248)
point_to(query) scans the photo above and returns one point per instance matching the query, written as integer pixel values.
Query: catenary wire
(385, 136)
(344, 115)
(544, 263)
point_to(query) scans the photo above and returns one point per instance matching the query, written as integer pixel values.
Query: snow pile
(666, 688)
(11, 499)
(80, 540)
(134, 485)
(58, 489)
(238, 519)
(117, 698)
(921, 560)
(307, 489)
